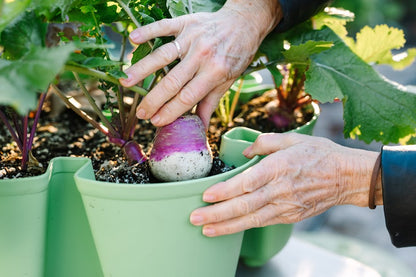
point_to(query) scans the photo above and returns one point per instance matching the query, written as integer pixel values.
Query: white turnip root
(181, 151)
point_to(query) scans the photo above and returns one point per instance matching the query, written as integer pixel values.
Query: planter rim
(87, 185)
(316, 113)
(26, 185)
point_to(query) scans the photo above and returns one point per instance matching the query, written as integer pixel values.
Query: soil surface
(68, 135)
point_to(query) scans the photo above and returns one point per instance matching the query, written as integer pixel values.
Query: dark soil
(69, 135)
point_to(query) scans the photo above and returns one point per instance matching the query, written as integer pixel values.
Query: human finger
(238, 224)
(166, 89)
(209, 103)
(232, 208)
(156, 60)
(268, 143)
(160, 28)
(188, 96)
(247, 181)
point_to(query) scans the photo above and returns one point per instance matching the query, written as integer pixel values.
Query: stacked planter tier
(64, 223)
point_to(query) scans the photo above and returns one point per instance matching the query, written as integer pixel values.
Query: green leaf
(301, 53)
(11, 9)
(374, 107)
(374, 45)
(24, 33)
(21, 79)
(141, 51)
(182, 7)
(117, 73)
(334, 18)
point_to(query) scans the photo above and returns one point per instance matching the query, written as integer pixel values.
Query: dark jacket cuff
(298, 11)
(399, 193)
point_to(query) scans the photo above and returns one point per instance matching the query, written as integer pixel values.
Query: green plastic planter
(70, 249)
(144, 230)
(23, 205)
(253, 86)
(261, 244)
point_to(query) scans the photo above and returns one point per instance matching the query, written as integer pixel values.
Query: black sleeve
(399, 193)
(298, 11)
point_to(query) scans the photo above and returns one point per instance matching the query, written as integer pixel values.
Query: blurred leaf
(20, 80)
(117, 73)
(301, 53)
(181, 7)
(24, 33)
(10, 9)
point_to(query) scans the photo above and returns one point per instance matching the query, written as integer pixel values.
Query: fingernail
(247, 151)
(141, 114)
(208, 231)
(196, 219)
(134, 36)
(155, 120)
(208, 198)
(128, 79)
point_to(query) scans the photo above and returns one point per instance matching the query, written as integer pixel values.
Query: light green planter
(253, 86)
(23, 225)
(70, 249)
(261, 244)
(144, 230)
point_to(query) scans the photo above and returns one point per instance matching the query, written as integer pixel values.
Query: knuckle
(166, 54)
(242, 207)
(188, 97)
(171, 83)
(255, 220)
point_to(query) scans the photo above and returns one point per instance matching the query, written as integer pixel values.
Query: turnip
(181, 150)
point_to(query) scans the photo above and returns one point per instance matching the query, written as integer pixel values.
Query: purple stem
(132, 150)
(35, 121)
(11, 130)
(25, 152)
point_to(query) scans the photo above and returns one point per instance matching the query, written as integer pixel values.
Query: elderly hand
(302, 176)
(214, 48)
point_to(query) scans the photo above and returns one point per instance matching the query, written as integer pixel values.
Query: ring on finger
(178, 48)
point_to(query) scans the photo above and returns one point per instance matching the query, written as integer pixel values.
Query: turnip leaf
(11, 9)
(24, 32)
(374, 45)
(374, 107)
(21, 79)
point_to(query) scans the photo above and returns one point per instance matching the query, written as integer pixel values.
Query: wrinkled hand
(302, 176)
(215, 49)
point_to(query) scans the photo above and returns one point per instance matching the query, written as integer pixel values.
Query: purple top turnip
(181, 150)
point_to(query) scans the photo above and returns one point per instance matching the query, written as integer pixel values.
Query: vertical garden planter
(144, 230)
(261, 244)
(23, 205)
(70, 249)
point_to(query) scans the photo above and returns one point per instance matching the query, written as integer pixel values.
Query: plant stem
(35, 122)
(131, 15)
(101, 75)
(82, 114)
(235, 100)
(12, 132)
(94, 105)
(25, 152)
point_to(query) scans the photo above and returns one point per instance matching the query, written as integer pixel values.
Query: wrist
(355, 173)
(264, 15)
